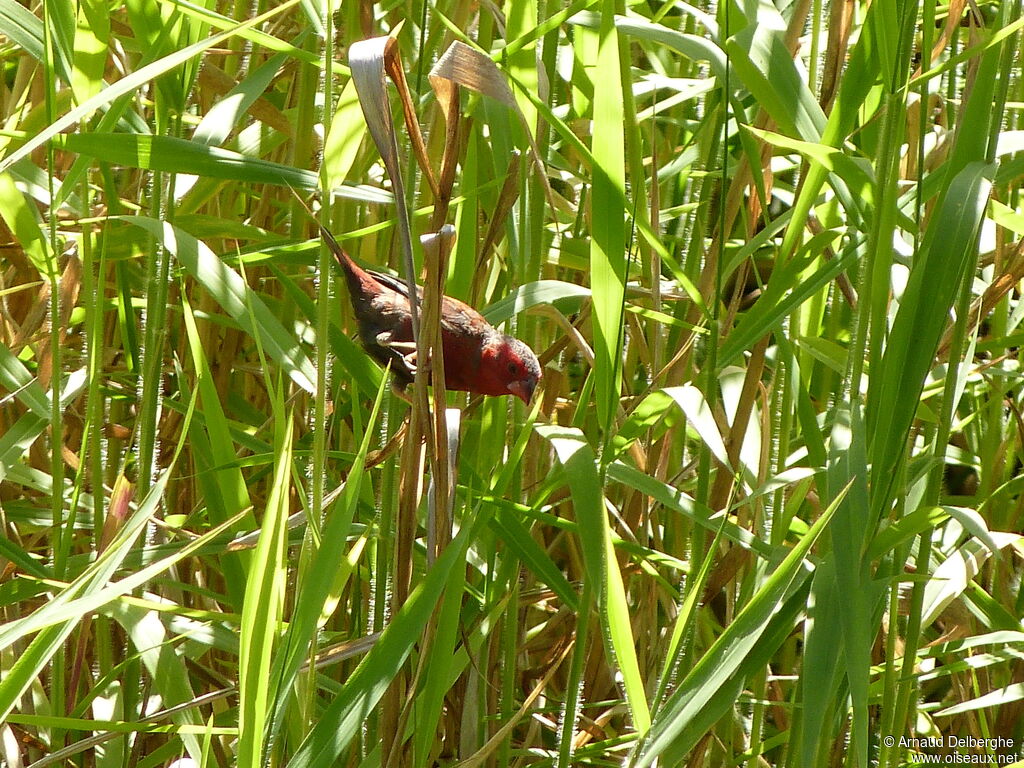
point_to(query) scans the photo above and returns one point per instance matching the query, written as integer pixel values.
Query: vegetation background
(765, 509)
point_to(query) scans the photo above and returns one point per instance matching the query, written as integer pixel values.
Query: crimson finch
(477, 357)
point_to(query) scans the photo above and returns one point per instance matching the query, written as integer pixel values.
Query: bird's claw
(407, 350)
(386, 339)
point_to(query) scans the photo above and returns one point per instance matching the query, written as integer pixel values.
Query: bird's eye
(512, 368)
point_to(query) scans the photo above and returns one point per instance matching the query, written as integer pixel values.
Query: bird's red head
(509, 368)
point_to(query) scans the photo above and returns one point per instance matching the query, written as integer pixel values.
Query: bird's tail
(348, 266)
(344, 260)
(360, 282)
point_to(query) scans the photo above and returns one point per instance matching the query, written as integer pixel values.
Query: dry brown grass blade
(69, 287)
(488, 749)
(436, 248)
(840, 26)
(723, 489)
(368, 63)
(371, 61)
(447, 93)
(1012, 273)
(736, 434)
(214, 81)
(953, 17)
(506, 199)
(465, 66)
(396, 71)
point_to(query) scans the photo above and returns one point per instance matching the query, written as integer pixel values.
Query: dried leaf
(462, 65)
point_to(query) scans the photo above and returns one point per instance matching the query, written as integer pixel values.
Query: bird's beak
(523, 389)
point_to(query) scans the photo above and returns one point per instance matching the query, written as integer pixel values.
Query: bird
(478, 358)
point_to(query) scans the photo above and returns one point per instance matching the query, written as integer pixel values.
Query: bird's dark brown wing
(395, 284)
(456, 316)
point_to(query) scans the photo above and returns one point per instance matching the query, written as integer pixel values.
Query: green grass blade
(608, 236)
(343, 718)
(264, 606)
(715, 671)
(234, 296)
